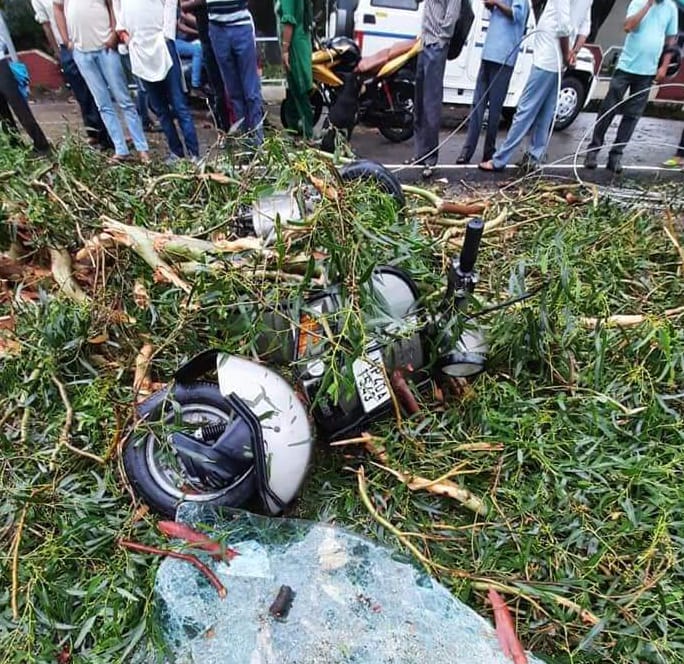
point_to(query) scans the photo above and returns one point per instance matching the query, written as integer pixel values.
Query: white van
(375, 24)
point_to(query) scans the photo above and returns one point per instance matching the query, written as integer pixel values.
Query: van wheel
(570, 102)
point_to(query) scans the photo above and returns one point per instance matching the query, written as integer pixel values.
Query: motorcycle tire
(365, 169)
(155, 482)
(402, 92)
(316, 99)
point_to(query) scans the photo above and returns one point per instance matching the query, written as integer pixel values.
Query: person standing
(44, 14)
(507, 23)
(650, 25)
(439, 20)
(188, 45)
(11, 98)
(536, 111)
(219, 100)
(88, 29)
(231, 30)
(294, 21)
(148, 28)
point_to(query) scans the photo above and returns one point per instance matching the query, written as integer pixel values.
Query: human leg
(91, 116)
(533, 97)
(541, 129)
(608, 110)
(477, 112)
(157, 90)
(221, 43)
(176, 96)
(300, 82)
(499, 81)
(192, 50)
(16, 101)
(89, 67)
(245, 53)
(632, 110)
(113, 71)
(433, 85)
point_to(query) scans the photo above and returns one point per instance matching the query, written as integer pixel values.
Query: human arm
(451, 13)
(501, 6)
(562, 27)
(635, 13)
(50, 36)
(187, 24)
(113, 38)
(661, 74)
(191, 4)
(60, 20)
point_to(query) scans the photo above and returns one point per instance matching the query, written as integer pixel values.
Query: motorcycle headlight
(468, 358)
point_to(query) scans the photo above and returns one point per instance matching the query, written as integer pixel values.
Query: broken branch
(187, 557)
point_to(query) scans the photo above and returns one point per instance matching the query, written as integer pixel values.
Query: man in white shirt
(87, 28)
(560, 23)
(149, 31)
(95, 129)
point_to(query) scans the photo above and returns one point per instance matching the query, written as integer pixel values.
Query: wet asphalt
(655, 140)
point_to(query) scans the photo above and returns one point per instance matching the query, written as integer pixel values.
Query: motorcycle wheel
(365, 169)
(316, 99)
(155, 472)
(399, 129)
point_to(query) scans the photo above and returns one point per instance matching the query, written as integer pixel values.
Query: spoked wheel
(164, 478)
(397, 124)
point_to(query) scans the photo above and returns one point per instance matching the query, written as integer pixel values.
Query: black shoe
(153, 128)
(614, 164)
(591, 160)
(427, 172)
(462, 160)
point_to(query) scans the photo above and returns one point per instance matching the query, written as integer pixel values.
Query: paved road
(654, 141)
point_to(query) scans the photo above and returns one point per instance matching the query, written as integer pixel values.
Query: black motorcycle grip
(471, 245)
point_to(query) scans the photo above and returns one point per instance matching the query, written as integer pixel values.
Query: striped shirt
(439, 20)
(229, 12)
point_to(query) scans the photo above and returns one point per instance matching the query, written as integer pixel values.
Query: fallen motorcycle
(377, 90)
(248, 434)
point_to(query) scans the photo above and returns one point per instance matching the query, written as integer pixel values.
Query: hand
(571, 60)
(490, 4)
(112, 41)
(69, 45)
(124, 36)
(286, 60)
(661, 74)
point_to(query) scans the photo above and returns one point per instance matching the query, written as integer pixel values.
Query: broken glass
(352, 601)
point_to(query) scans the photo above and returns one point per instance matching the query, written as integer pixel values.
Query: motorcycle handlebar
(471, 245)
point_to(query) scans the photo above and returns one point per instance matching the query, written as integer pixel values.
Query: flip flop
(490, 167)
(674, 162)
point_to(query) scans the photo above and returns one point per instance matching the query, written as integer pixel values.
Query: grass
(581, 475)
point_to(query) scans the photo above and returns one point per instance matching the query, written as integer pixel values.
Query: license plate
(369, 376)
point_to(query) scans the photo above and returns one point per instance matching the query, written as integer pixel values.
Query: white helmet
(221, 444)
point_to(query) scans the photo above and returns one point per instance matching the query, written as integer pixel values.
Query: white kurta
(149, 24)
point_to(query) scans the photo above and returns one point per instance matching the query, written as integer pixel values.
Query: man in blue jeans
(439, 20)
(149, 31)
(87, 27)
(650, 25)
(507, 21)
(95, 129)
(560, 21)
(231, 30)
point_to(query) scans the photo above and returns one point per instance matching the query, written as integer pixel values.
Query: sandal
(674, 162)
(490, 167)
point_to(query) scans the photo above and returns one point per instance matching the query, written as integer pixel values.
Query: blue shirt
(644, 45)
(504, 34)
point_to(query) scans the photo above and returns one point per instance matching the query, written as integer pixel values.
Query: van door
(380, 23)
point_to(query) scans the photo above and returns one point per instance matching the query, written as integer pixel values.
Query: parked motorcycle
(382, 87)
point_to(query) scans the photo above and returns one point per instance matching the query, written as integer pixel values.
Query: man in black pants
(220, 104)
(11, 98)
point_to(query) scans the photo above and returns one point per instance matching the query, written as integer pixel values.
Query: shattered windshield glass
(301, 592)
